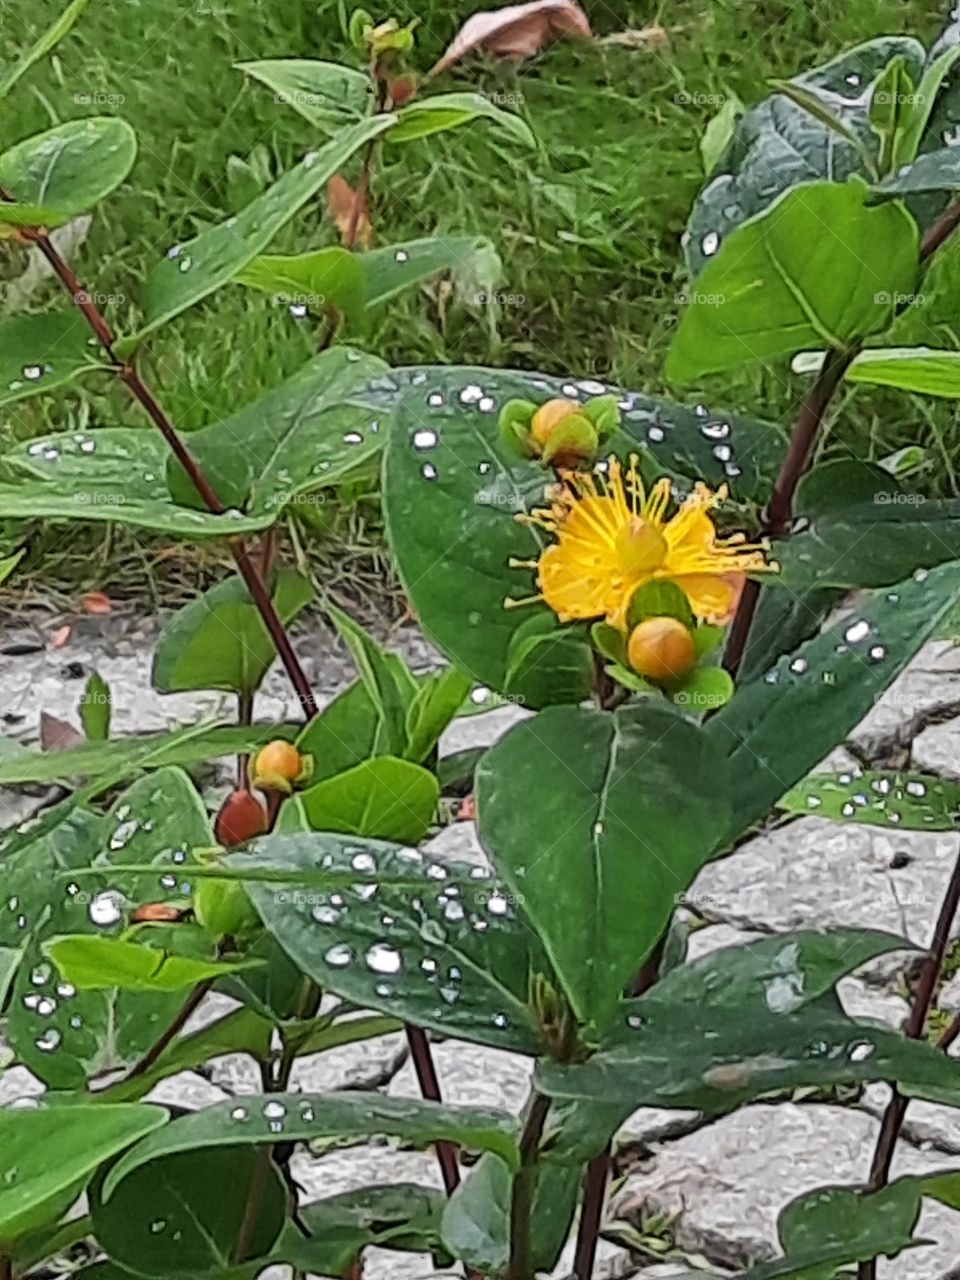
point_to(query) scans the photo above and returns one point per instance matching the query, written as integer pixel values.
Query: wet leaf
(443, 111)
(41, 352)
(83, 1136)
(403, 1217)
(68, 169)
(387, 798)
(878, 798)
(327, 94)
(306, 1117)
(622, 830)
(446, 949)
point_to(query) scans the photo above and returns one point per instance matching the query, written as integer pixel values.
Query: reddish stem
(430, 1088)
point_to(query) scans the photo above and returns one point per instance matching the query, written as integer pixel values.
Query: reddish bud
(241, 818)
(157, 913)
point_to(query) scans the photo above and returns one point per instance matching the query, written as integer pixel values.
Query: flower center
(640, 547)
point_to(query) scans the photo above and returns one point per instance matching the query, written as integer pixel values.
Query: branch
(430, 1088)
(923, 998)
(131, 378)
(192, 1003)
(524, 1186)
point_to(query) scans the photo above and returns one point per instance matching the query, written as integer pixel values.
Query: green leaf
(162, 1220)
(310, 432)
(476, 1220)
(9, 963)
(779, 144)
(328, 94)
(9, 563)
(386, 797)
(69, 168)
(704, 690)
(778, 284)
(38, 353)
(660, 599)
(95, 709)
(386, 677)
(306, 1117)
(840, 1225)
(920, 126)
(810, 101)
(909, 801)
(327, 278)
(627, 808)
(719, 131)
(548, 663)
(83, 1136)
(65, 1035)
(784, 619)
(426, 116)
(871, 544)
(213, 258)
(114, 474)
(404, 1217)
(437, 701)
(713, 1062)
(47, 41)
(779, 974)
(344, 734)
(219, 640)
(822, 690)
(925, 370)
(122, 757)
(98, 964)
(445, 949)
(934, 171)
(395, 267)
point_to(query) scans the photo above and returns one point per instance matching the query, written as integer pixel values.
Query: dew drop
(353, 437)
(486, 404)
(471, 394)
(916, 789)
(715, 430)
(32, 372)
(856, 632)
(49, 1041)
(239, 1114)
(710, 244)
(500, 1021)
(435, 400)
(877, 653)
(428, 471)
(401, 256)
(655, 434)
(338, 956)
(325, 914)
(424, 439)
(298, 310)
(106, 908)
(798, 666)
(382, 958)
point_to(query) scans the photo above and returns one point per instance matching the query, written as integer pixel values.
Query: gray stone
(727, 1183)
(817, 874)
(929, 685)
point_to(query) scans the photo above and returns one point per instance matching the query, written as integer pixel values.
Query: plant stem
(923, 999)
(591, 1214)
(430, 1088)
(131, 378)
(193, 1002)
(244, 717)
(524, 1185)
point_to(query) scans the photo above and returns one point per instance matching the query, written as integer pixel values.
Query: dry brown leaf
(467, 809)
(348, 209)
(57, 734)
(96, 602)
(518, 31)
(61, 637)
(652, 37)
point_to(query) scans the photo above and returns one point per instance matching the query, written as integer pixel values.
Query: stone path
(720, 1184)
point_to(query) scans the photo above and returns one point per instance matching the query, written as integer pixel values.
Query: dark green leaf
(327, 94)
(68, 169)
(627, 808)
(910, 801)
(779, 144)
(779, 285)
(935, 171)
(386, 677)
(447, 949)
(219, 640)
(436, 114)
(405, 1217)
(327, 278)
(113, 473)
(38, 353)
(548, 663)
(822, 690)
(162, 1220)
(213, 258)
(306, 1117)
(395, 267)
(83, 1136)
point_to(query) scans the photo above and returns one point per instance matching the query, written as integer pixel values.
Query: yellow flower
(611, 538)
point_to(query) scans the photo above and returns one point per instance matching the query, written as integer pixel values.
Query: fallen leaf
(96, 602)
(652, 37)
(467, 809)
(57, 734)
(348, 209)
(157, 913)
(518, 31)
(61, 637)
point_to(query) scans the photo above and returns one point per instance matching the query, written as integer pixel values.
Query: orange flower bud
(548, 417)
(241, 818)
(661, 649)
(278, 766)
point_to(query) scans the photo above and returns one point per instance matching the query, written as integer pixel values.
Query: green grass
(587, 227)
